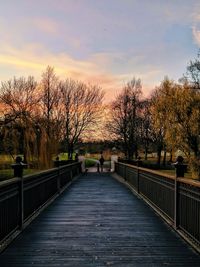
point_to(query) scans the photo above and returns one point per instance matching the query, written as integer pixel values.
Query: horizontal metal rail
(22, 198)
(176, 199)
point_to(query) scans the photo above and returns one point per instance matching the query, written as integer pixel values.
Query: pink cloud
(98, 69)
(33, 59)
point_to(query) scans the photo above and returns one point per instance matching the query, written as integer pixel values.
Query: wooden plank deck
(98, 222)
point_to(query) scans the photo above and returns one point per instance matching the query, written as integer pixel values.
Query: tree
(160, 112)
(177, 109)
(82, 110)
(124, 115)
(18, 101)
(193, 73)
(49, 116)
(146, 129)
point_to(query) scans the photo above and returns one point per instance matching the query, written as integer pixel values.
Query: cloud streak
(196, 35)
(33, 59)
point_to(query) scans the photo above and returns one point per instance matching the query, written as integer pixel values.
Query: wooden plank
(98, 222)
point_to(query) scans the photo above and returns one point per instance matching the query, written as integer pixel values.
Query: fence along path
(98, 222)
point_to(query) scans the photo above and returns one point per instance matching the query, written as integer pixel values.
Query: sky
(102, 42)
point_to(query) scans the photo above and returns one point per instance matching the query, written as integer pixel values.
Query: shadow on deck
(98, 222)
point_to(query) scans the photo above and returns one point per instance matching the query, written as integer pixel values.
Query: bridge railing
(176, 199)
(21, 199)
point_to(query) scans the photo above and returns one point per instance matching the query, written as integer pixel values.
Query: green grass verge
(90, 163)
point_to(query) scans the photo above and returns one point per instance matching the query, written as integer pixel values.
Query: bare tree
(145, 127)
(49, 116)
(49, 96)
(18, 101)
(193, 73)
(82, 105)
(157, 120)
(125, 117)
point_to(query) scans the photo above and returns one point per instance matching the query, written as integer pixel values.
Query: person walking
(101, 160)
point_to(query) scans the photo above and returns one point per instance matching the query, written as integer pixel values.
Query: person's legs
(102, 168)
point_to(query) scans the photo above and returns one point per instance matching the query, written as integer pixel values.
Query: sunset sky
(104, 42)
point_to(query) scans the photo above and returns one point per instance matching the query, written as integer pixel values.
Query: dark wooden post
(138, 178)
(138, 175)
(175, 202)
(22, 203)
(57, 162)
(57, 165)
(125, 172)
(180, 169)
(58, 176)
(71, 173)
(18, 172)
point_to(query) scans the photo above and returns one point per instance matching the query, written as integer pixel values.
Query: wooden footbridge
(96, 220)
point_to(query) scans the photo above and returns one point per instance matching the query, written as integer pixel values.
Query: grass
(64, 156)
(90, 163)
(97, 156)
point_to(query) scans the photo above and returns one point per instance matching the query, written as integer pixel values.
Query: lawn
(90, 163)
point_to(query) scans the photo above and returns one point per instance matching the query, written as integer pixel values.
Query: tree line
(167, 121)
(35, 117)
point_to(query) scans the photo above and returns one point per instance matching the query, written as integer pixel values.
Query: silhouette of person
(101, 160)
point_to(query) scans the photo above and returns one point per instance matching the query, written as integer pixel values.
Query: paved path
(98, 222)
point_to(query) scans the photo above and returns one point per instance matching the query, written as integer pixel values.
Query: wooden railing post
(58, 179)
(77, 170)
(21, 222)
(179, 172)
(138, 180)
(18, 172)
(125, 173)
(175, 202)
(71, 173)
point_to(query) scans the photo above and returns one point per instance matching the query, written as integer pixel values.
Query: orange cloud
(12, 60)
(33, 59)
